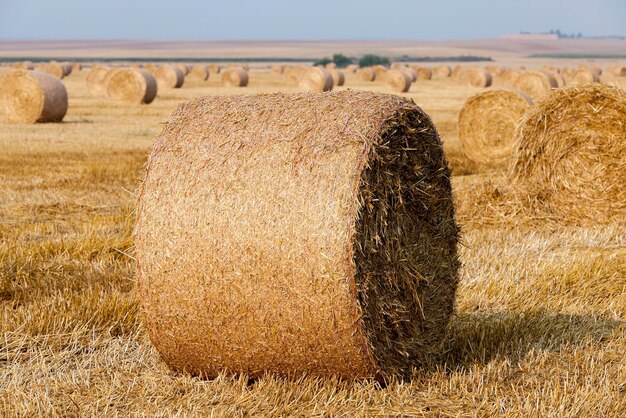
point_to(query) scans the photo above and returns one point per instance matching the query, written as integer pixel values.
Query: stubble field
(540, 328)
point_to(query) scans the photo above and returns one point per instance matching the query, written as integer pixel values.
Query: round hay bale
(214, 68)
(31, 96)
(486, 126)
(338, 76)
(535, 84)
(67, 68)
(306, 234)
(246, 67)
(570, 152)
(423, 73)
(456, 71)
(169, 76)
(23, 65)
(199, 72)
(398, 81)
(584, 75)
(410, 72)
(567, 72)
(96, 80)
(475, 77)
(183, 67)
(131, 85)
(330, 66)
(278, 68)
(442, 71)
(316, 80)
(494, 70)
(352, 68)
(77, 66)
(560, 81)
(367, 74)
(294, 74)
(235, 77)
(150, 67)
(508, 77)
(380, 71)
(52, 67)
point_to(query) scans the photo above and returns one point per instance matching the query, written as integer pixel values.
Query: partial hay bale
(456, 71)
(367, 74)
(294, 74)
(584, 75)
(23, 65)
(423, 73)
(199, 72)
(31, 96)
(214, 68)
(77, 66)
(535, 84)
(67, 68)
(169, 76)
(316, 80)
(475, 77)
(567, 72)
(442, 71)
(560, 81)
(183, 67)
(508, 77)
(96, 80)
(486, 126)
(352, 68)
(132, 85)
(380, 71)
(314, 236)
(616, 71)
(52, 67)
(278, 68)
(410, 72)
(137, 65)
(331, 66)
(398, 81)
(494, 70)
(338, 76)
(246, 67)
(570, 152)
(150, 67)
(235, 77)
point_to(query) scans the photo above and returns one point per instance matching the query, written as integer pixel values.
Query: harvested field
(539, 327)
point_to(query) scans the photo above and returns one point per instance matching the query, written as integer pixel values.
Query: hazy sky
(312, 19)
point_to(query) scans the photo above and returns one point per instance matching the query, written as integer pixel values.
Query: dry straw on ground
(584, 75)
(235, 77)
(367, 74)
(199, 72)
(475, 77)
(31, 96)
(442, 71)
(54, 68)
(398, 81)
(339, 78)
(169, 76)
(95, 80)
(299, 234)
(570, 152)
(316, 80)
(487, 123)
(535, 84)
(133, 86)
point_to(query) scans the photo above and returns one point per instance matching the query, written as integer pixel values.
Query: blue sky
(297, 20)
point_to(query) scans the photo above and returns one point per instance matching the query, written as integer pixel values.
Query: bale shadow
(478, 338)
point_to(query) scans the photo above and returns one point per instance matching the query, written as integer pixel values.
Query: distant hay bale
(77, 66)
(306, 234)
(410, 72)
(316, 80)
(508, 77)
(330, 66)
(442, 71)
(398, 81)
(214, 68)
(535, 84)
(294, 74)
(567, 72)
(367, 74)
(380, 71)
(584, 75)
(570, 152)
(169, 76)
(456, 71)
(486, 126)
(235, 77)
(616, 71)
(54, 68)
(132, 85)
(494, 70)
(23, 65)
(246, 67)
(560, 81)
(352, 68)
(96, 80)
(150, 67)
(278, 68)
(199, 72)
(67, 68)
(183, 67)
(423, 73)
(31, 96)
(338, 76)
(136, 65)
(475, 77)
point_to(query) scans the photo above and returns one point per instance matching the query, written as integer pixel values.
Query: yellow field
(540, 328)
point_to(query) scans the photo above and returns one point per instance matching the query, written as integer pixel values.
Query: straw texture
(31, 96)
(133, 86)
(297, 234)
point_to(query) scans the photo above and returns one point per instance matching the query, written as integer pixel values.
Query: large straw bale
(199, 72)
(306, 234)
(169, 76)
(31, 96)
(398, 81)
(535, 84)
(132, 85)
(367, 74)
(570, 152)
(316, 80)
(235, 77)
(475, 77)
(486, 126)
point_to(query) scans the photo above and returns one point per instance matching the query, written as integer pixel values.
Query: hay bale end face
(338, 76)
(169, 76)
(442, 71)
(535, 84)
(475, 77)
(235, 77)
(486, 126)
(367, 74)
(31, 96)
(422, 73)
(398, 81)
(316, 80)
(96, 81)
(54, 68)
(585, 75)
(298, 239)
(199, 72)
(570, 150)
(133, 86)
